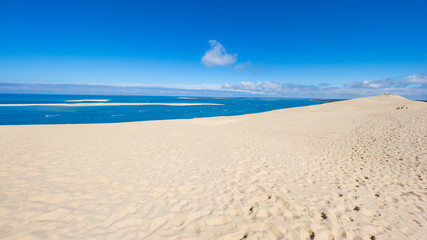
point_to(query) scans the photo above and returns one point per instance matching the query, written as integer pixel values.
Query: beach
(352, 169)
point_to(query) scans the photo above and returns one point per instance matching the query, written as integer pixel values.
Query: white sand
(88, 100)
(343, 170)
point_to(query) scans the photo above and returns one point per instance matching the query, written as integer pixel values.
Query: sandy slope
(343, 170)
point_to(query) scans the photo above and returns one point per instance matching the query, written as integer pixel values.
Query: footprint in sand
(186, 188)
(178, 219)
(217, 221)
(263, 213)
(227, 198)
(178, 207)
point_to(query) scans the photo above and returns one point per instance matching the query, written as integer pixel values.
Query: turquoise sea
(20, 115)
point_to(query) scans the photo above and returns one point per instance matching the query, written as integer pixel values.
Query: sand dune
(345, 170)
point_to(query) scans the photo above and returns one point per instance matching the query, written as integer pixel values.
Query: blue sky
(279, 48)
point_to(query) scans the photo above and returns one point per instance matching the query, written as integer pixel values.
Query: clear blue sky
(287, 48)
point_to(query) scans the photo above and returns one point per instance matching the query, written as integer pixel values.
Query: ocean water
(21, 115)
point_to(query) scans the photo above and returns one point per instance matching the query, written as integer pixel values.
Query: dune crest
(383, 102)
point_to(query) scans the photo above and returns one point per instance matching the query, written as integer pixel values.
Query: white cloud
(242, 67)
(217, 56)
(254, 68)
(413, 86)
(382, 83)
(269, 87)
(420, 78)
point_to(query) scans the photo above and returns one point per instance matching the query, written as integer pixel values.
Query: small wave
(205, 98)
(118, 115)
(188, 98)
(53, 115)
(88, 100)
